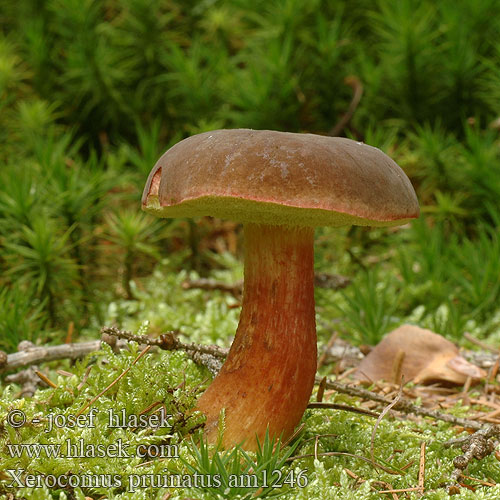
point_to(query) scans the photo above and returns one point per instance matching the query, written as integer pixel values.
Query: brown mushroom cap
(270, 177)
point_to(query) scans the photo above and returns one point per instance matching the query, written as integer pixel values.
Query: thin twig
(345, 454)
(421, 468)
(493, 371)
(85, 378)
(401, 490)
(321, 390)
(357, 87)
(479, 481)
(335, 406)
(483, 345)
(297, 431)
(323, 356)
(94, 399)
(403, 405)
(46, 379)
(69, 333)
(379, 419)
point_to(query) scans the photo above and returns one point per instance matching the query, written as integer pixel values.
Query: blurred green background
(92, 92)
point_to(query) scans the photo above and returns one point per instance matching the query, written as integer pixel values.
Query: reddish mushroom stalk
(268, 376)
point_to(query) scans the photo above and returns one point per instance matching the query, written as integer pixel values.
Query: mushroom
(280, 186)
(422, 355)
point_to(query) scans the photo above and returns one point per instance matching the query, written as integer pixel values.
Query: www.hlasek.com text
(82, 449)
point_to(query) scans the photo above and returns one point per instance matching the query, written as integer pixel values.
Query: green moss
(200, 316)
(165, 380)
(170, 378)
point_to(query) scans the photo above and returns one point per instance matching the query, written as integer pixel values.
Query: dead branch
(27, 379)
(199, 353)
(321, 280)
(210, 356)
(336, 406)
(205, 354)
(168, 342)
(486, 432)
(29, 354)
(477, 445)
(41, 354)
(403, 405)
(209, 284)
(331, 281)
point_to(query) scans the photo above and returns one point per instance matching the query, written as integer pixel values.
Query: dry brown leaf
(419, 355)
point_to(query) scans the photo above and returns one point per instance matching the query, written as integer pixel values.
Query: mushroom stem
(268, 376)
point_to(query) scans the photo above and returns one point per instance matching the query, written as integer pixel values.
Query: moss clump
(161, 386)
(171, 381)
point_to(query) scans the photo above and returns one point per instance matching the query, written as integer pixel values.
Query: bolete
(280, 186)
